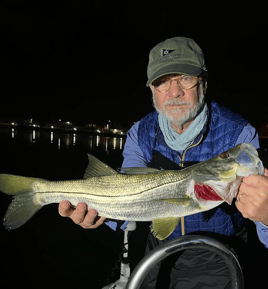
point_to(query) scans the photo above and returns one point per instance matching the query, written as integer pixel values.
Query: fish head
(223, 174)
(242, 160)
(248, 160)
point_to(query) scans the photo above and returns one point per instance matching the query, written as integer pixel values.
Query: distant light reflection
(33, 135)
(114, 143)
(64, 140)
(106, 143)
(98, 140)
(90, 143)
(67, 140)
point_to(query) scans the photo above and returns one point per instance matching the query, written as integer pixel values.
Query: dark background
(50, 251)
(80, 62)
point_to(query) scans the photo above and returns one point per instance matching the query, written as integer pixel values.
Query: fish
(137, 194)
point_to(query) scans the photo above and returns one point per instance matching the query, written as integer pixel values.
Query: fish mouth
(232, 190)
(248, 161)
(227, 191)
(255, 169)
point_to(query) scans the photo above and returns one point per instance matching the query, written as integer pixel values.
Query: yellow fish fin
(13, 185)
(162, 228)
(23, 206)
(96, 168)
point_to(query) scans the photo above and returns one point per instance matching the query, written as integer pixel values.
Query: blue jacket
(221, 132)
(139, 154)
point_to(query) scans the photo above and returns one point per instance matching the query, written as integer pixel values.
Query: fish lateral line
(114, 194)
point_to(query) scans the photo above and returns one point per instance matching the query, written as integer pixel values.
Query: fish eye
(224, 155)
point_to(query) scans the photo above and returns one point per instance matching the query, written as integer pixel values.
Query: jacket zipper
(182, 166)
(184, 152)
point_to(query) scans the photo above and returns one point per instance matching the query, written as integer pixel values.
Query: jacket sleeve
(133, 155)
(249, 135)
(262, 232)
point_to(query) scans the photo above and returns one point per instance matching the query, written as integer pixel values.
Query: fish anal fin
(163, 227)
(97, 168)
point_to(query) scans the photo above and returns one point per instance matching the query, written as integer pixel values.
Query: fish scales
(134, 200)
(119, 185)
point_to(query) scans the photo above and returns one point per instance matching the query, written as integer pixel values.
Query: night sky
(80, 62)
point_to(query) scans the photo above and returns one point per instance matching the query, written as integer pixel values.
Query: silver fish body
(127, 197)
(141, 194)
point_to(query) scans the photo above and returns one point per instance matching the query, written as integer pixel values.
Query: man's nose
(175, 90)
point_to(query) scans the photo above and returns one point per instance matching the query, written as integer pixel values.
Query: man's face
(178, 105)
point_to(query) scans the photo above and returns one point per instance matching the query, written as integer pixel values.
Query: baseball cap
(175, 55)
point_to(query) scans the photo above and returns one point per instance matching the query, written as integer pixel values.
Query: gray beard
(188, 116)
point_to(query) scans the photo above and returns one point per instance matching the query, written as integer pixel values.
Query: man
(182, 131)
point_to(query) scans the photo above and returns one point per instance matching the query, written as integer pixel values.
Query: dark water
(50, 251)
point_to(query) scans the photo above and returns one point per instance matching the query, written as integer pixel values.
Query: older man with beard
(182, 131)
(178, 104)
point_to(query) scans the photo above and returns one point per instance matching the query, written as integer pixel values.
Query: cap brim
(175, 68)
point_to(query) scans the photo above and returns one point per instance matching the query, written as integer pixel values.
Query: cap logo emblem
(166, 51)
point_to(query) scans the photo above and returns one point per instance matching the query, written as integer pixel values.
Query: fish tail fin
(24, 204)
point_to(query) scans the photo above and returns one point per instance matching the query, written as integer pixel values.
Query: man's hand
(252, 198)
(87, 219)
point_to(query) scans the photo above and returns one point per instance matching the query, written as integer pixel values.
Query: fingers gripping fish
(138, 194)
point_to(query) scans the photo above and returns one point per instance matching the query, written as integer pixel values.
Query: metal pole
(125, 268)
(183, 243)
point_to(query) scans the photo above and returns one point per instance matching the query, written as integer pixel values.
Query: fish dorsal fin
(138, 170)
(96, 168)
(164, 227)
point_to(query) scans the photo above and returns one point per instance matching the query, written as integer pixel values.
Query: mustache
(175, 102)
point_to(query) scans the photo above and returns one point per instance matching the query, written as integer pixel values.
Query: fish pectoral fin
(96, 168)
(162, 228)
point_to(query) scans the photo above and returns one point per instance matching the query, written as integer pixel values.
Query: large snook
(141, 194)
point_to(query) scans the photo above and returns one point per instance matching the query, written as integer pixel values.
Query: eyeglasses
(183, 81)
